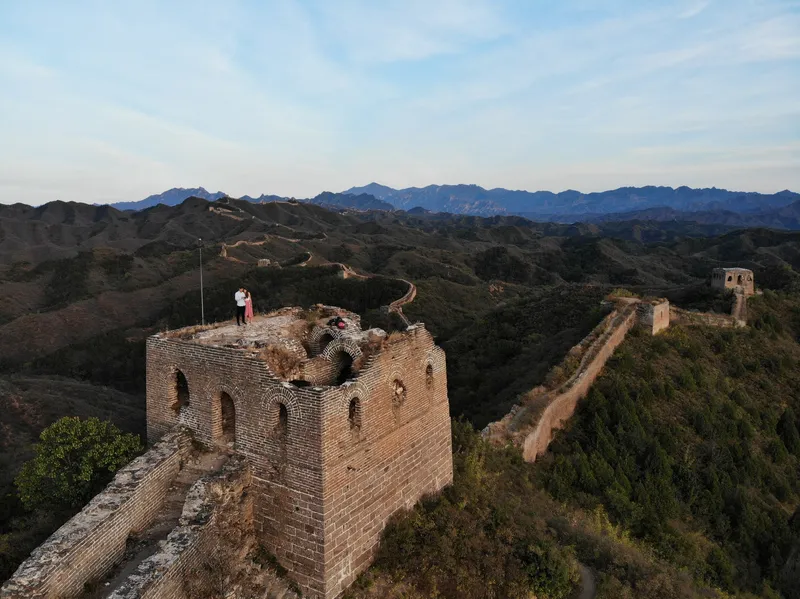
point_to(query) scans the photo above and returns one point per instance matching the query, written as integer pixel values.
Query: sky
(106, 101)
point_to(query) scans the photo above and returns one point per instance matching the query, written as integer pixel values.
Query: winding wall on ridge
(92, 541)
(531, 424)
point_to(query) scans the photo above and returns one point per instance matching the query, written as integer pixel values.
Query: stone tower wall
(393, 450)
(654, 318)
(733, 277)
(286, 464)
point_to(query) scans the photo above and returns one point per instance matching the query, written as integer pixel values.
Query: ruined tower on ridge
(299, 434)
(731, 278)
(653, 315)
(341, 427)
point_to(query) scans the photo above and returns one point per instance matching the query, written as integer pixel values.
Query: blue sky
(109, 101)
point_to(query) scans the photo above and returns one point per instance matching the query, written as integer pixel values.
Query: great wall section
(531, 424)
(278, 453)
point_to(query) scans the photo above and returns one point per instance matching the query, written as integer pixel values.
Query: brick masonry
(531, 424)
(330, 464)
(561, 407)
(91, 542)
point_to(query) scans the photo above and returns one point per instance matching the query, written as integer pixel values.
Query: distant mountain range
(472, 199)
(177, 195)
(171, 197)
(706, 206)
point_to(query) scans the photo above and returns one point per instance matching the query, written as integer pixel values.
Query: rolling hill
(82, 286)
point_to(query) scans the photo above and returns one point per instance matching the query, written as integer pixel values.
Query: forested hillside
(677, 477)
(690, 441)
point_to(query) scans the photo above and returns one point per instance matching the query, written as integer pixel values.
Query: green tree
(74, 459)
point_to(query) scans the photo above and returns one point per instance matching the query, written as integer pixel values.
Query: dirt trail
(588, 588)
(147, 543)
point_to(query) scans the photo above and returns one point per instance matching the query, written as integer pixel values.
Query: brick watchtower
(341, 427)
(733, 278)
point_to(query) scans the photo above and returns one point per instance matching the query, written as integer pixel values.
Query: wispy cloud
(694, 9)
(117, 100)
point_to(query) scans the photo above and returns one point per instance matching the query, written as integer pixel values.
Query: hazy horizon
(113, 103)
(256, 195)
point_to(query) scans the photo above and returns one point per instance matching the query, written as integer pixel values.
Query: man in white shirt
(240, 296)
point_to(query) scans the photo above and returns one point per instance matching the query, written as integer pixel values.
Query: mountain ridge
(473, 199)
(710, 205)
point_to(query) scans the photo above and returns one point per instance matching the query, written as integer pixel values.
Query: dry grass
(280, 360)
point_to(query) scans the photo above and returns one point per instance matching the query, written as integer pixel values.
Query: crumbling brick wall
(531, 424)
(711, 319)
(91, 542)
(322, 492)
(201, 556)
(387, 442)
(561, 406)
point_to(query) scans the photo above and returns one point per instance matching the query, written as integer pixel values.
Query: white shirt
(239, 297)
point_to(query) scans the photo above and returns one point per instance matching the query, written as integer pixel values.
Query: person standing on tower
(248, 307)
(240, 297)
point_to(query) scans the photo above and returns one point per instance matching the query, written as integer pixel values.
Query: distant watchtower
(731, 278)
(341, 427)
(653, 315)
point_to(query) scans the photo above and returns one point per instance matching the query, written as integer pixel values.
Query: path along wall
(205, 554)
(712, 319)
(91, 542)
(531, 425)
(561, 405)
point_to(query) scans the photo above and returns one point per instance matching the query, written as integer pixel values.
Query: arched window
(739, 280)
(228, 418)
(354, 415)
(181, 392)
(429, 376)
(398, 396)
(283, 420)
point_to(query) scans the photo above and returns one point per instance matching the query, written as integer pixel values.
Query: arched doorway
(324, 340)
(228, 411)
(180, 392)
(344, 366)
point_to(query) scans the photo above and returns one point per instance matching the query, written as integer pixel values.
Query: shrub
(74, 459)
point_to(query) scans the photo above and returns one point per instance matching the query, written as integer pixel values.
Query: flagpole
(202, 307)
